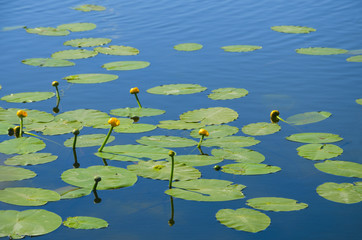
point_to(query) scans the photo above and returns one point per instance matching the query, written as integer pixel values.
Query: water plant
(114, 122)
(172, 155)
(203, 133)
(135, 91)
(21, 114)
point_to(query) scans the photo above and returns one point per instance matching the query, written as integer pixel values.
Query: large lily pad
(216, 131)
(135, 128)
(30, 159)
(91, 78)
(21, 145)
(57, 127)
(228, 93)
(137, 112)
(208, 190)
(243, 219)
(276, 204)
(74, 54)
(89, 7)
(89, 140)
(89, 117)
(210, 116)
(118, 50)
(197, 160)
(239, 154)
(9, 115)
(315, 151)
(188, 47)
(81, 222)
(166, 141)
(8, 173)
(321, 51)
(341, 193)
(314, 137)
(48, 62)
(249, 168)
(27, 97)
(87, 42)
(230, 142)
(27, 196)
(35, 222)
(308, 117)
(241, 48)
(260, 128)
(48, 31)
(179, 124)
(340, 168)
(177, 89)
(78, 27)
(126, 65)
(139, 151)
(292, 29)
(116, 157)
(355, 59)
(112, 177)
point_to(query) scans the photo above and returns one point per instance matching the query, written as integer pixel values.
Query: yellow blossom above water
(21, 114)
(114, 122)
(274, 116)
(134, 90)
(203, 132)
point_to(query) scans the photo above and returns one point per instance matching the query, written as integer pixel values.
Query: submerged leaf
(91, 78)
(118, 50)
(241, 48)
(292, 29)
(89, 140)
(81, 222)
(48, 31)
(210, 116)
(47, 62)
(228, 93)
(316, 151)
(321, 51)
(239, 154)
(87, 42)
(27, 97)
(261, 128)
(8, 173)
(136, 112)
(249, 169)
(177, 89)
(308, 117)
(126, 65)
(340, 168)
(74, 54)
(27, 196)
(341, 193)
(166, 141)
(276, 204)
(188, 47)
(314, 137)
(230, 142)
(30, 159)
(78, 27)
(21, 145)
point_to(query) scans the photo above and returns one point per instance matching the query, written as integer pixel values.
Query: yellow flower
(22, 114)
(55, 83)
(171, 153)
(114, 122)
(134, 90)
(203, 132)
(274, 116)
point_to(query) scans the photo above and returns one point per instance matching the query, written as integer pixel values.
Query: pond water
(276, 77)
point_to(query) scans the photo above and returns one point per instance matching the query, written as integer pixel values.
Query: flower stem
(21, 127)
(138, 101)
(105, 140)
(172, 168)
(75, 141)
(201, 139)
(58, 96)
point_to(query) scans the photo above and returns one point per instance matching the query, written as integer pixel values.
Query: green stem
(172, 167)
(58, 96)
(201, 139)
(138, 101)
(281, 119)
(75, 141)
(21, 127)
(105, 140)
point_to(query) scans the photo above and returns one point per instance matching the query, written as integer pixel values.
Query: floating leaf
(249, 168)
(321, 51)
(9, 115)
(161, 170)
(30, 159)
(89, 7)
(208, 190)
(89, 140)
(136, 112)
(359, 101)
(27, 196)
(112, 177)
(47, 62)
(139, 151)
(78, 27)
(125, 65)
(188, 47)
(308, 117)
(48, 31)
(340, 168)
(91, 78)
(166, 141)
(21, 145)
(8, 173)
(177, 89)
(35, 222)
(179, 124)
(27, 97)
(241, 48)
(210, 116)
(292, 29)
(135, 128)
(239, 154)
(260, 128)
(4, 126)
(316, 151)
(243, 219)
(71, 192)
(87, 42)
(216, 131)
(118, 50)
(355, 59)
(116, 157)
(74, 54)
(228, 93)
(56, 127)
(276, 204)
(81, 222)
(230, 142)
(341, 193)
(197, 160)
(314, 137)
(89, 117)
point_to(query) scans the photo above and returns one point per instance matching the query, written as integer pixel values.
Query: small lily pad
(47, 62)
(177, 89)
(188, 47)
(341, 193)
(87, 42)
(308, 117)
(239, 155)
(230, 142)
(88, 117)
(210, 116)
(91, 78)
(292, 29)
(315, 151)
(179, 124)
(30, 159)
(8, 173)
(81, 222)
(249, 169)
(241, 48)
(166, 141)
(27, 97)
(78, 27)
(118, 50)
(340, 168)
(89, 140)
(27, 196)
(21, 145)
(216, 131)
(136, 112)
(48, 31)
(228, 93)
(355, 59)
(139, 151)
(126, 65)
(261, 128)
(314, 138)
(276, 204)
(135, 128)
(74, 54)
(197, 160)
(89, 7)
(320, 51)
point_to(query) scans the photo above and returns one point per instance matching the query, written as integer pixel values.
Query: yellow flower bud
(274, 116)
(55, 83)
(171, 153)
(203, 132)
(114, 122)
(134, 90)
(22, 114)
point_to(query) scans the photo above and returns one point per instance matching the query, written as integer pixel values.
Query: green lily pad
(241, 48)
(359, 101)
(48, 31)
(230, 142)
(188, 47)
(340, 168)
(208, 190)
(30, 159)
(56, 127)
(116, 157)
(166, 141)
(216, 131)
(8, 173)
(48, 62)
(228, 93)
(210, 116)
(71, 192)
(21, 145)
(139, 151)
(276, 204)
(314, 138)
(179, 124)
(27, 196)
(321, 51)
(197, 160)
(355, 59)
(27, 97)
(161, 170)
(112, 177)
(35, 222)
(292, 29)
(136, 112)
(308, 117)
(239, 154)
(87, 42)
(89, 7)
(177, 89)
(135, 128)
(9, 116)
(89, 140)
(81, 222)
(261, 128)
(243, 219)
(4, 126)
(315, 151)
(74, 54)
(118, 50)
(91, 78)
(88, 117)
(249, 169)
(126, 65)
(341, 193)
(78, 27)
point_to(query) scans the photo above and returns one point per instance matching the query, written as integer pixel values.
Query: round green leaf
(249, 169)
(243, 219)
(208, 190)
(216, 131)
(166, 141)
(228, 93)
(4, 126)
(261, 128)
(355, 59)
(78, 27)
(316, 151)
(91, 78)
(8, 173)
(89, 7)
(81, 222)
(239, 154)
(27, 196)
(359, 101)
(139, 151)
(21, 145)
(340, 168)
(230, 142)
(31, 159)
(116, 157)
(292, 29)
(48, 31)
(179, 124)
(177, 89)
(276, 204)
(187, 47)
(9, 115)
(241, 48)
(112, 177)
(56, 127)
(47, 62)
(197, 160)
(341, 193)
(136, 112)
(308, 117)
(88, 117)
(87, 42)
(314, 137)
(74, 54)
(90, 140)
(118, 50)
(210, 116)
(135, 128)
(27, 97)
(321, 51)
(35, 222)
(126, 65)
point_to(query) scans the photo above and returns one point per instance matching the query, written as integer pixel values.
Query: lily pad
(88, 117)
(228, 93)
(135, 128)
(48, 31)
(166, 141)
(27, 196)
(81, 222)
(126, 65)
(340, 168)
(208, 190)
(118, 50)
(308, 117)
(216, 131)
(89, 140)
(261, 128)
(137, 112)
(74, 54)
(359, 101)
(161, 170)
(112, 177)
(341, 193)
(139, 151)
(27, 97)
(292, 29)
(355, 59)
(56, 127)
(179, 124)
(197, 160)
(48, 62)
(30, 159)
(21, 145)
(314, 138)
(177, 89)
(8, 173)
(241, 48)
(315, 151)
(116, 157)
(276, 204)
(243, 219)
(9, 115)
(188, 47)
(89, 7)
(230, 142)
(249, 169)
(91, 78)
(239, 154)
(78, 27)
(210, 116)
(321, 51)
(71, 192)
(87, 42)
(35, 222)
